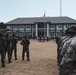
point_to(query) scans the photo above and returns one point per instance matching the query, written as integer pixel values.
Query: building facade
(39, 26)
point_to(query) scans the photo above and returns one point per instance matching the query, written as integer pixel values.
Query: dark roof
(41, 19)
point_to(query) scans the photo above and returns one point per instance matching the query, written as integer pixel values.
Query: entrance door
(41, 33)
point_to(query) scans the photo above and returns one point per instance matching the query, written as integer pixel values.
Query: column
(47, 29)
(32, 31)
(36, 30)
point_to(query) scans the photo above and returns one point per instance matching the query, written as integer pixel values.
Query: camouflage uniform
(65, 46)
(2, 52)
(14, 46)
(59, 41)
(68, 62)
(58, 45)
(7, 47)
(61, 46)
(25, 42)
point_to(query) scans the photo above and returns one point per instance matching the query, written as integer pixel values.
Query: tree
(2, 25)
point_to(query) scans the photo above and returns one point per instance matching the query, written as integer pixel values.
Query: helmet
(72, 29)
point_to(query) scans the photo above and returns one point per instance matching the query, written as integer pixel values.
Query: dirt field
(42, 60)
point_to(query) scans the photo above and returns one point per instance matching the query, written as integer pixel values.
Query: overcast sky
(12, 9)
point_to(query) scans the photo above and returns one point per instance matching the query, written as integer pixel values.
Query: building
(39, 26)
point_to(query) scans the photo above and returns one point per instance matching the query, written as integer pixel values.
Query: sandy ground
(42, 60)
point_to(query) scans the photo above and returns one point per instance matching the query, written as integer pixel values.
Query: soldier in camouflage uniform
(7, 47)
(64, 39)
(68, 62)
(25, 42)
(59, 40)
(14, 46)
(2, 52)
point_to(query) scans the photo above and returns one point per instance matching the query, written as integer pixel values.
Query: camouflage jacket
(70, 54)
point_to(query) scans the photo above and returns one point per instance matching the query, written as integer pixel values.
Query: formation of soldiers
(66, 51)
(9, 44)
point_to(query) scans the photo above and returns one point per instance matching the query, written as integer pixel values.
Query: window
(28, 30)
(15, 27)
(28, 26)
(60, 26)
(33, 26)
(52, 26)
(9, 27)
(73, 24)
(21, 27)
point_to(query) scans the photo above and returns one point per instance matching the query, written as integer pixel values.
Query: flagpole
(60, 7)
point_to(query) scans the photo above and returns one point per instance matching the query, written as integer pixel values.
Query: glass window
(33, 26)
(9, 27)
(21, 26)
(73, 24)
(60, 26)
(28, 26)
(52, 26)
(15, 26)
(28, 30)
(66, 26)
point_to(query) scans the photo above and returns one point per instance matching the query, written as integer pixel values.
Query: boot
(3, 65)
(28, 59)
(16, 59)
(9, 61)
(22, 59)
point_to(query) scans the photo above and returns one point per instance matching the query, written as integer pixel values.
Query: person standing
(68, 62)
(7, 47)
(14, 46)
(25, 42)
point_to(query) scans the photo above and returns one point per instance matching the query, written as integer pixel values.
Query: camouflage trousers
(8, 51)
(68, 68)
(27, 53)
(2, 53)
